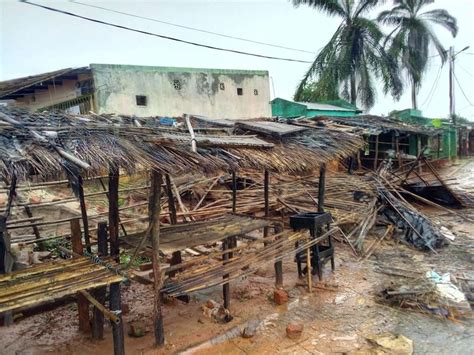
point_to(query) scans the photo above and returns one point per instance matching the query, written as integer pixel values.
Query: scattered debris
(294, 331)
(392, 344)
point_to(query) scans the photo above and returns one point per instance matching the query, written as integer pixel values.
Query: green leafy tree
(355, 58)
(413, 35)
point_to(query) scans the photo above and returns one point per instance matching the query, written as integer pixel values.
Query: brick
(294, 331)
(280, 296)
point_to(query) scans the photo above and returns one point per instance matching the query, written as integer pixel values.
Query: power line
(433, 89)
(162, 36)
(467, 71)
(460, 87)
(192, 28)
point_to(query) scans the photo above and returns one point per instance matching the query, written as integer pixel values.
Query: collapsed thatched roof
(48, 144)
(378, 124)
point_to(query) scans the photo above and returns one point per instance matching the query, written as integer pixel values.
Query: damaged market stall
(44, 147)
(388, 138)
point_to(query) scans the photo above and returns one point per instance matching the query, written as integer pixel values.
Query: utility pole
(452, 110)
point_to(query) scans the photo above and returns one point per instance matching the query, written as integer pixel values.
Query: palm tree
(354, 58)
(413, 35)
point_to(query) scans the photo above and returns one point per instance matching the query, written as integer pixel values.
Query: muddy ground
(338, 316)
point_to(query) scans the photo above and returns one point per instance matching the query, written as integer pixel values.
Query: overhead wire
(462, 90)
(433, 89)
(162, 36)
(191, 28)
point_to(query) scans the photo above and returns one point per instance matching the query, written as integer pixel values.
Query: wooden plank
(271, 128)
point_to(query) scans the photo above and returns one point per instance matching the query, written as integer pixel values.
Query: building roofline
(164, 69)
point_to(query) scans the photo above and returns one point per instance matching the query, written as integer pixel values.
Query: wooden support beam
(176, 258)
(82, 303)
(376, 157)
(98, 316)
(36, 231)
(114, 213)
(229, 243)
(279, 264)
(321, 187)
(85, 221)
(397, 146)
(154, 218)
(115, 302)
(6, 261)
(234, 192)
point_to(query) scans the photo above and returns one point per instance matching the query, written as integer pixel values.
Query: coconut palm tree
(413, 35)
(355, 58)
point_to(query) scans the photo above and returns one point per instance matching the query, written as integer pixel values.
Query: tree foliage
(413, 35)
(354, 59)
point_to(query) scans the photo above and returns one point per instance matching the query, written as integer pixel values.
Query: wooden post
(82, 303)
(266, 185)
(279, 264)
(229, 243)
(114, 213)
(234, 192)
(85, 221)
(124, 231)
(98, 316)
(309, 274)
(397, 146)
(115, 302)
(176, 256)
(376, 157)
(154, 210)
(36, 231)
(321, 187)
(6, 261)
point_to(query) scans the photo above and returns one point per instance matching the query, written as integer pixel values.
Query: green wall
(286, 108)
(448, 132)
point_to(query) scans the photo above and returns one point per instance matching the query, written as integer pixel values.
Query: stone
(294, 330)
(136, 329)
(125, 308)
(251, 329)
(280, 296)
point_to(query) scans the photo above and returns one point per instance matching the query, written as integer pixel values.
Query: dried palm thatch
(49, 143)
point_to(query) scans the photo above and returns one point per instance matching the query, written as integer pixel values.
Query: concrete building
(144, 91)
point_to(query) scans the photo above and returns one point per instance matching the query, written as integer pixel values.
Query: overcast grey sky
(33, 40)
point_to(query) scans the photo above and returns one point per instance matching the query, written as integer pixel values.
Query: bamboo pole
(100, 293)
(82, 303)
(85, 222)
(376, 152)
(176, 256)
(309, 274)
(154, 215)
(98, 305)
(115, 302)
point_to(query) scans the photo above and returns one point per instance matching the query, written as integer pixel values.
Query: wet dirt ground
(338, 316)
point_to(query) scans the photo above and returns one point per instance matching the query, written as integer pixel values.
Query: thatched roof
(48, 144)
(378, 124)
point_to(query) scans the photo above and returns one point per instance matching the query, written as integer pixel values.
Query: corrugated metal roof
(12, 86)
(323, 107)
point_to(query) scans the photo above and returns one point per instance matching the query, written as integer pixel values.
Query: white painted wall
(200, 91)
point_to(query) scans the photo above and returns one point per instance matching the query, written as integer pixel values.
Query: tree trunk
(413, 95)
(353, 90)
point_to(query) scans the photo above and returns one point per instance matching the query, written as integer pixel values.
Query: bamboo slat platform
(52, 280)
(188, 235)
(208, 271)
